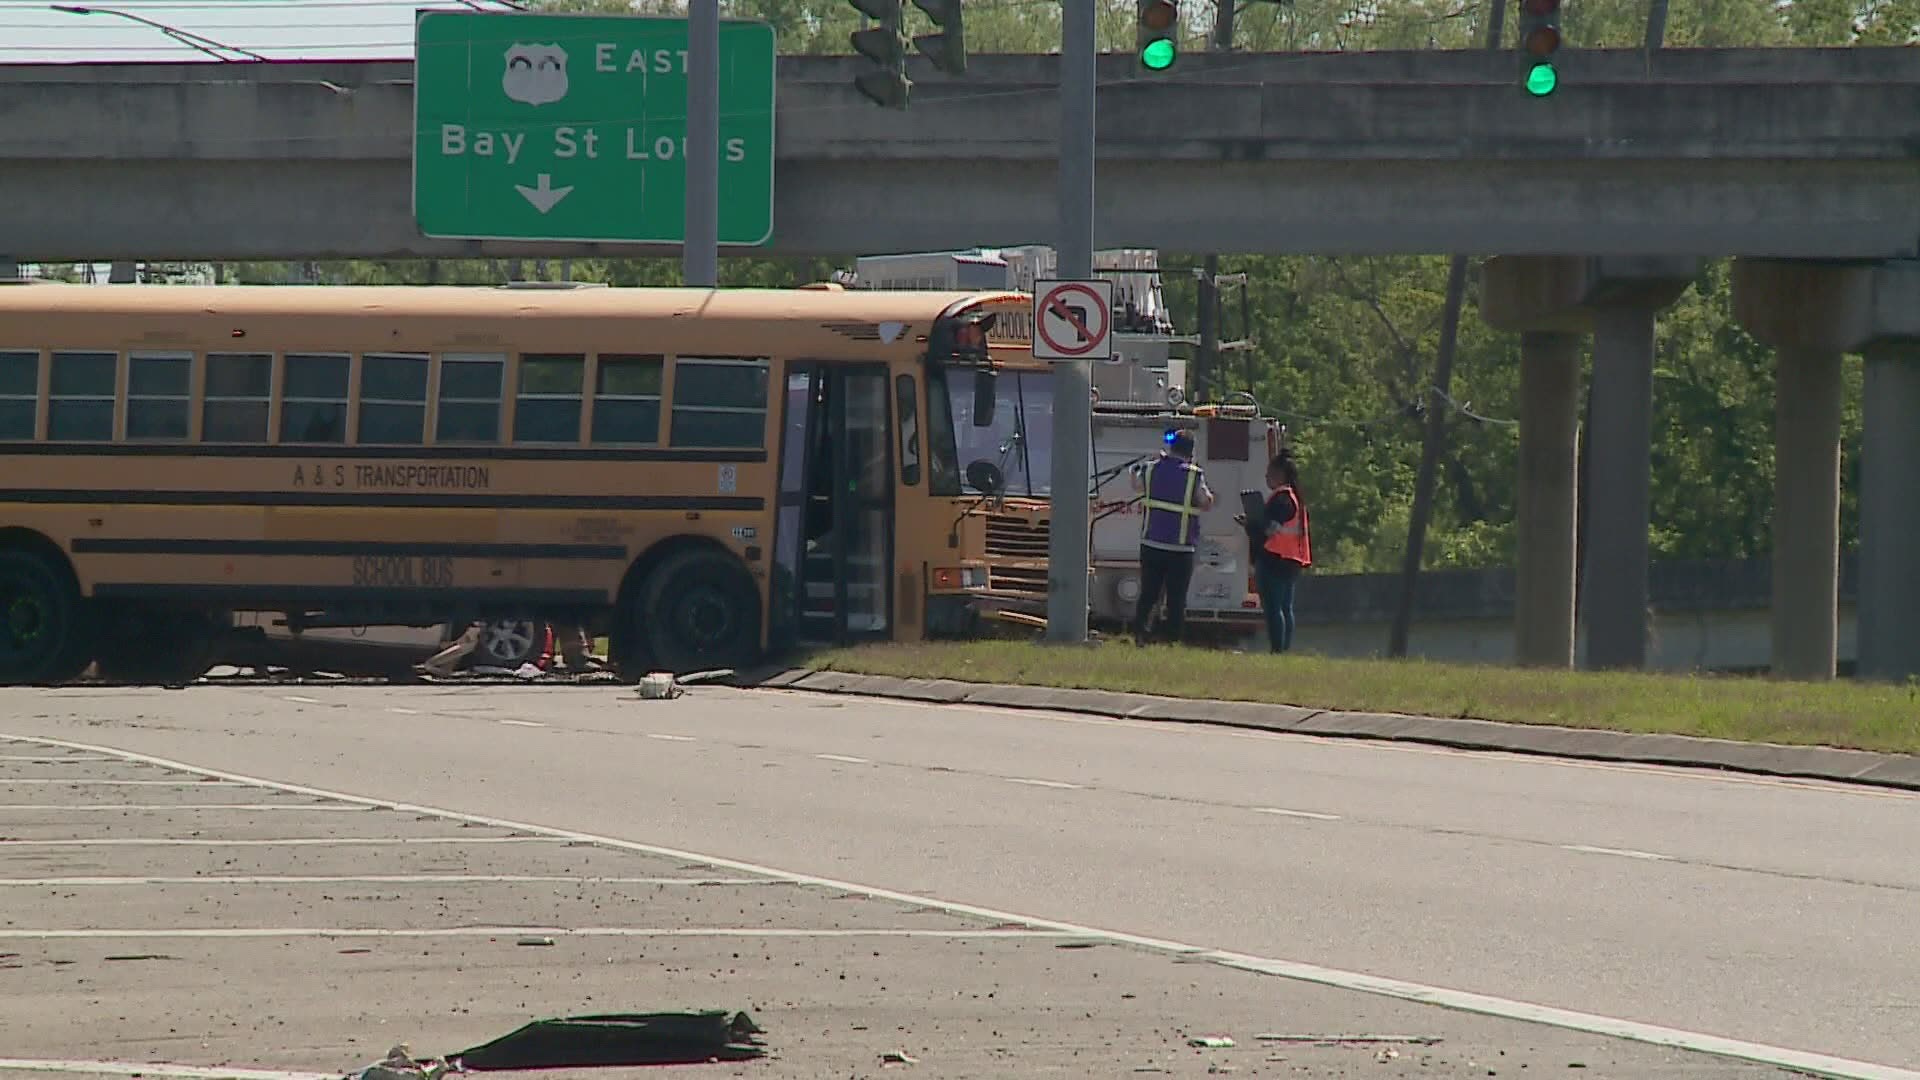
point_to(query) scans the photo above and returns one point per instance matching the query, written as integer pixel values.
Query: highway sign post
(1068, 540)
(1073, 320)
(574, 127)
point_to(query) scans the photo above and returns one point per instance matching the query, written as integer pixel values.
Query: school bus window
(393, 398)
(904, 391)
(626, 399)
(719, 403)
(470, 386)
(943, 448)
(547, 409)
(19, 393)
(313, 403)
(80, 406)
(159, 391)
(239, 389)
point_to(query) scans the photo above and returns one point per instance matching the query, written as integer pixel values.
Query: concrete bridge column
(1619, 480)
(1812, 314)
(121, 272)
(9, 266)
(1560, 297)
(1806, 512)
(1889, 608)
(1545, 506)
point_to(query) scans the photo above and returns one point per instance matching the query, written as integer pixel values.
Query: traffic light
(1159, 33)
(885, 45)
(1539, 41)
(948, 48)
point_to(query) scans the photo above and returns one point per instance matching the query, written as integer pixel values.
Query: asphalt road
(1779, 913)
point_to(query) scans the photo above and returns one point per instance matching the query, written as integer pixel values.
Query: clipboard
(1254, 505)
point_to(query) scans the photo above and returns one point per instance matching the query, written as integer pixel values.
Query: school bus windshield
(1020, 439)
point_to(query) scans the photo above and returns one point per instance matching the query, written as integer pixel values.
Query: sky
(31, 32)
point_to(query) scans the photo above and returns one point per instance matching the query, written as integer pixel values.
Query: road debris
(1335, 1040)
(898, 1057)
(399, 1064)
(659, 685)
(534, 940)
(1211, 1042)
(619, 1040)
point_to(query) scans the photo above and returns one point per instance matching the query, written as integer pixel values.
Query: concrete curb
(1766, 759)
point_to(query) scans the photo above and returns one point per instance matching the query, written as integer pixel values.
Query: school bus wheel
(44, 635)
(700, 610)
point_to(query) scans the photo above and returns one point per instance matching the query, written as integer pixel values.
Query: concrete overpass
(1780, 152)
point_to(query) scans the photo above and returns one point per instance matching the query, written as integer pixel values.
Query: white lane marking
(403, 712)
(301, 700)
(1463, 1000)
(843, 757)
(523, 723)
(670, 738)
(11, 934)
(245, 807)
(1295, 813)
(1040, 783)
(296, 841)
(8, 781)
(1625, 853)
(161, 1071)
(380, 879)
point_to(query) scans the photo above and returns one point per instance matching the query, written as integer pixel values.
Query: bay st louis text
(582, 140)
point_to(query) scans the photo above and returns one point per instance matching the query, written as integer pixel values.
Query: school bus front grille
(1017, 580)
(1012, 537)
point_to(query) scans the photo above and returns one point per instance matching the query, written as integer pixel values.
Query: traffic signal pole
(700, 246)
(1208, 290)
(1068, 537)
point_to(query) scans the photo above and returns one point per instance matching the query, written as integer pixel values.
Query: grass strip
(1854, 715)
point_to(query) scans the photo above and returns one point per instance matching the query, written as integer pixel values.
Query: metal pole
(1072, 400)
(700, 253)
(1438, 412)
(1208, 372)
(1656, 25)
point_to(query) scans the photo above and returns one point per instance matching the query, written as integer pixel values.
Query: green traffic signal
(1542, 79)
(1157, 55)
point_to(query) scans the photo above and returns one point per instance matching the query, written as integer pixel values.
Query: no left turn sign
(1072, 320)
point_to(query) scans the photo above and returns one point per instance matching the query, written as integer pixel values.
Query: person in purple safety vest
(1176, 492)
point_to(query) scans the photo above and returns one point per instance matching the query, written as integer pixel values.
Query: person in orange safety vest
(1282, 547)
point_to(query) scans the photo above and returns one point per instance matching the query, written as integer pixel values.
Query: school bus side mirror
(985, 477)
(983, 398)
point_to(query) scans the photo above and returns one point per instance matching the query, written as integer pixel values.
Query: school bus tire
(700, 610)
(148, 645)
(45, 635)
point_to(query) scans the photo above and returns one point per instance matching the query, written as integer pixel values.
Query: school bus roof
(489, 302)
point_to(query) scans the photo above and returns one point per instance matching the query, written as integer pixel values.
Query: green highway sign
(573, 127)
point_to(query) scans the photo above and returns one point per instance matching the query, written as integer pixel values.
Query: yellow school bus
(702, 475)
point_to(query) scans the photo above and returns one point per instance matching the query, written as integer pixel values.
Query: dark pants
(1163, 571)
(1275, 578)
